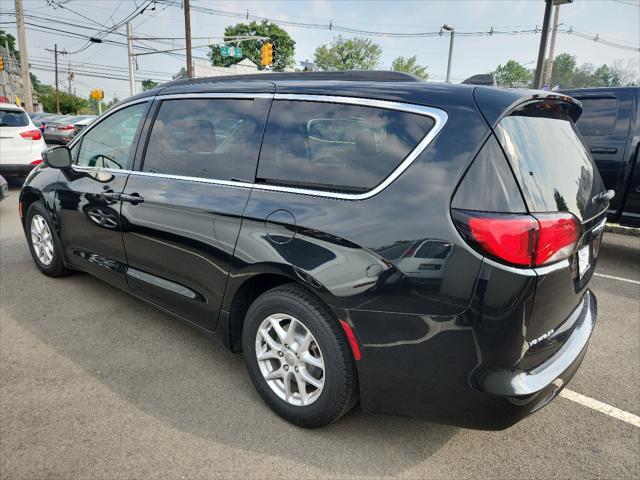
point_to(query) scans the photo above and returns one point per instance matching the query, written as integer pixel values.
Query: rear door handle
(604, 150)
(111, 196)
(134, 198)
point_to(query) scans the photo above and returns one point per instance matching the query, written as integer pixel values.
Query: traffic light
(1, 63)
(267, 54)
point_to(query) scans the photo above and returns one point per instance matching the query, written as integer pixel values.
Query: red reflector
(522, 240)
(37, 162)
(32, 134)
(352, 340)
(510, 238)
(20, 209)
(558, 237)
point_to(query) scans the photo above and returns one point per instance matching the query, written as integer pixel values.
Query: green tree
(348, 54)
(564, 69)
(409, 65)
(512, 74)
(283, 45)
(11, 41)
(69, 104)
(149, 85)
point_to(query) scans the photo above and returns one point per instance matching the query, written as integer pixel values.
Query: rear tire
(315, 357)
(43, 244)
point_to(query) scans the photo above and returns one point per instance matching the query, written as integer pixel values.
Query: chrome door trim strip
(440, 118)
(231, 95)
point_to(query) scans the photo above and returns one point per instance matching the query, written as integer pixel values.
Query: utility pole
(537, 81)
(552, 46)
(187, 34)
(55, 61)
(132, 75)
(70, 77)
(24, 57)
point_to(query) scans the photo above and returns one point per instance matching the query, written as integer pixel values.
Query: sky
(614, 20)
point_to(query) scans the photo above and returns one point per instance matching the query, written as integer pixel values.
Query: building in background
(11, 80)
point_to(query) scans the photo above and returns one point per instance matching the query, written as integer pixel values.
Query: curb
(615, 228)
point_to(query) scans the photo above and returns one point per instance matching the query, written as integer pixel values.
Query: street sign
(230, 51)
(97, 94)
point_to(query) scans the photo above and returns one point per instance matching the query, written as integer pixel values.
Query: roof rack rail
(347, 75)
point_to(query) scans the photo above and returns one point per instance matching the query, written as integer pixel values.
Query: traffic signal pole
(24, 57)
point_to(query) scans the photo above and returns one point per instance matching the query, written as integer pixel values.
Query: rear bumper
(515, 382)
(57, 139)
(446, 379)
(16, 170)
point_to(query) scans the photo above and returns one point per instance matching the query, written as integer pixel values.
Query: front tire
(43, 244)
(298, 357)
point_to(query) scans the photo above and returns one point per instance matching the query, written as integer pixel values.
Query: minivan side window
(108, 143)
(336, 146)
(207, 138)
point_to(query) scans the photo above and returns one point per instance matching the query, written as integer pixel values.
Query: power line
(373, 33)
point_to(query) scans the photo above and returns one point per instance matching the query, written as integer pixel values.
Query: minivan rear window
(13, 118)
(335, 146)
(551, 163)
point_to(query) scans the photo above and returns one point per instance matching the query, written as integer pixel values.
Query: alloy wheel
(41, 239)
(290, 359)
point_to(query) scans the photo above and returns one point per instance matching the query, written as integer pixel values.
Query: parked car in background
(62, 130)
(4, 188)
(85, 122)
(40, 120)
(610, 125)
(425, 249)
(21, 143)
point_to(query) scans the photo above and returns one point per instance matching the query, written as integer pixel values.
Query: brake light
(558, 237)
(521, 240)
(37, 162)
(32, 134)
(66, 127)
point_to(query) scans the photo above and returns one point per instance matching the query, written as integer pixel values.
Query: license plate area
(584, 260)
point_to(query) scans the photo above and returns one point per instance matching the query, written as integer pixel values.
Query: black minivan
(422, 249)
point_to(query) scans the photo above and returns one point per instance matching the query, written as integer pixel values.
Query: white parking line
(614, 412)
(636, 282)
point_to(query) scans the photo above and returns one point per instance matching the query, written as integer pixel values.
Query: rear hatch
(555, 173)
(14, 148)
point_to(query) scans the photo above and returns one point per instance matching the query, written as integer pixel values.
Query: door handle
(111, 196)
(134, 198)
(604, 150)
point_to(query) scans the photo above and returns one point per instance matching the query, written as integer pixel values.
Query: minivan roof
(380, 85)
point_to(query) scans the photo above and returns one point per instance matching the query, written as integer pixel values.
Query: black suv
(610, 125)
(361, 237)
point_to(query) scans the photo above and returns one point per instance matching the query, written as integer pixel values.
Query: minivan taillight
(32, 134)
(517, 239)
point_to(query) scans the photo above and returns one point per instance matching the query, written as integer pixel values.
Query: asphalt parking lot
(95, 384)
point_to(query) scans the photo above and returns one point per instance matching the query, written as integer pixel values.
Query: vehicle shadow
(176, 374)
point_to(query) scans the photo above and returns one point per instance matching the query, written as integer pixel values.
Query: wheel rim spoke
(290, 359)
(42, 240)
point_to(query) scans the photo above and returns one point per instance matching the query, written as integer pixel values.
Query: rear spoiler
(496, 103)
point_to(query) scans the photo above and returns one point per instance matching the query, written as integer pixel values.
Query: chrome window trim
(439, 117)
(229, 95)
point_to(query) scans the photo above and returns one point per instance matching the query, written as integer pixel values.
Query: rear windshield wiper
(603, 197)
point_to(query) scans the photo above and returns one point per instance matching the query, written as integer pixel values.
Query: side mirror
(57, 157)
